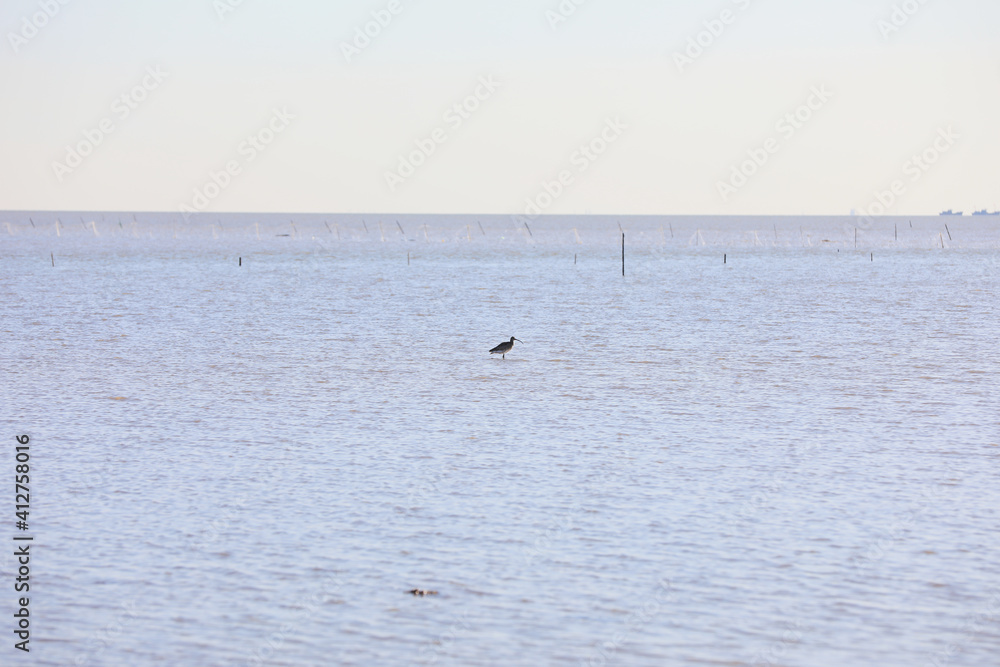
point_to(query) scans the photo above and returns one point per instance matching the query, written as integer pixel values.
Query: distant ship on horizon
(950, 212)
(985, 212)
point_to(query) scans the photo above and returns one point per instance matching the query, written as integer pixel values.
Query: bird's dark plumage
(503, 348)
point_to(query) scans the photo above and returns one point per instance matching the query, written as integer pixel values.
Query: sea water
(773, 441)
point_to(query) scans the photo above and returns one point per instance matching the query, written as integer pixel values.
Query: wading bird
(503, 348)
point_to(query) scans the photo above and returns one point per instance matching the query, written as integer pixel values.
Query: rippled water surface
(250, 438)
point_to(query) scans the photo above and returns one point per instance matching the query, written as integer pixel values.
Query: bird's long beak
(519, 340)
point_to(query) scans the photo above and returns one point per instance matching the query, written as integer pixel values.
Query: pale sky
(266, 89)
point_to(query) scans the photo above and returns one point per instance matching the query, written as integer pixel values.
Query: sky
(732, 107)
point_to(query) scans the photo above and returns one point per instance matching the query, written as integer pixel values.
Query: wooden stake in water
(623, 251)
(723, 258)
(481, 227)
(407, 257)
(328, 226)
(873, 257)
(53, 258)
(574, 259)
(32, 222)
(400, 228)
(528, 228)
(671, 230)
(241, 261)
(947, 230)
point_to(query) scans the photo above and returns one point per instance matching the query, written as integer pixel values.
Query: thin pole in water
(400, 228)
(873, 257)
(723, 258)
(895, 231)
(407, 257)
(481, 227)
(528, 228)
(671, 230)
(947, 230)
(32, 222)
(241, 261)
(623, 251)
(53, 258)
(574, 259)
